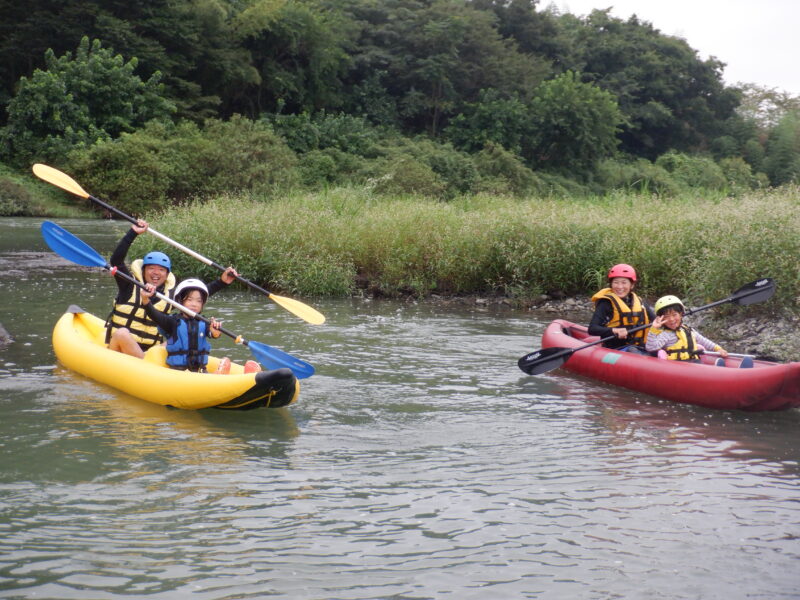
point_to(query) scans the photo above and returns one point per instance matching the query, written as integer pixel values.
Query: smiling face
(193, 300)
(672, 318)
(155, 274)
(621, 286)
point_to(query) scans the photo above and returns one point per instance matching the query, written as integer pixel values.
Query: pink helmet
(622, 270)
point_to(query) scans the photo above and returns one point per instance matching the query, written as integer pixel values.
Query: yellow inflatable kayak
(79, 344)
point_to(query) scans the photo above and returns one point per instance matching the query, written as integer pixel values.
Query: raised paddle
(65, 182)
(548, 359)
(65, 244)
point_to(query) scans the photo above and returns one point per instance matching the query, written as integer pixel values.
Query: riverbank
(336, 243)
(768, 336)
(23, 195)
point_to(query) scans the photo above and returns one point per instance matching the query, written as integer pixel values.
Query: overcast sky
(758, 41)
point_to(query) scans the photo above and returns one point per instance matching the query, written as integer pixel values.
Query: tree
(573, 125)
(190, 42)
(77, 101)
(782, 162)
(298, 50)
(433, 57)
(445, 54)
(28, 29)
(671, 99)
(536, 33)
(765, 106)
(492, 118)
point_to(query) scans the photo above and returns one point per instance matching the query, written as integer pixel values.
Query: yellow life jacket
(685, 348)
(626, 316)
(131, 314)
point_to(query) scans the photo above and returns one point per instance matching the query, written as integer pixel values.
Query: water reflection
(138, 429)
(765, 438)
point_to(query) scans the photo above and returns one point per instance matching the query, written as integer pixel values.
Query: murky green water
(418, 463)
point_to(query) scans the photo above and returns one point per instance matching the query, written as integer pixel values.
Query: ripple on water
(418, 463)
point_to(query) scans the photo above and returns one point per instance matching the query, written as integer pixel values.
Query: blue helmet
(157, 258)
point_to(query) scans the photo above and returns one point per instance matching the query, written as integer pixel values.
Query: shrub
(500, 169)
(640, 176)
(493, 119)
(329, 166)
(738, 174)
(691, 171)
(246, 155)
(410, 176)
(162, 163)
(754, 154)
(455, 171)
(559, 186)
(16, 201)
(304, 132)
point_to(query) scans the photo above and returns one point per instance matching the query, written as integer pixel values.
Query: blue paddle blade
(272, 358)
(63, 243)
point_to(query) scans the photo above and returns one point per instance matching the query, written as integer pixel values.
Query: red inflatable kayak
(766, 386)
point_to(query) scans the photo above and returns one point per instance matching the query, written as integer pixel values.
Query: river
(418, 463)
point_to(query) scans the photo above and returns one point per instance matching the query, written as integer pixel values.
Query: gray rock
(5, 337)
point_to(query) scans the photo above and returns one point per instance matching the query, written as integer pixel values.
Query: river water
(418, 463)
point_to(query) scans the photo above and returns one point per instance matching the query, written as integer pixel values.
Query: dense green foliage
(161, 101)
(141, 170)
(74, 103)
(671, 99)
(335, 242)
(782, 163)
(573, 124)
(21, 196)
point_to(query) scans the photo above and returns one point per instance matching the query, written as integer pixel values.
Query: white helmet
(190, 284)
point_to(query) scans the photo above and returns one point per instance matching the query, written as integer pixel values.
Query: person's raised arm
(121, 251)
(225, 279)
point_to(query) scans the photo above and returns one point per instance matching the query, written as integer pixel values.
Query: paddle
(733, 354)
(548, 359)
(65, 182)
(65, 244)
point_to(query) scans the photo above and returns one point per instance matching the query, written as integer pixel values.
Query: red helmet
(622, 270)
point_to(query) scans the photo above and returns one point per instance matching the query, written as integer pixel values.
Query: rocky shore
(5, 337)
(767, 336)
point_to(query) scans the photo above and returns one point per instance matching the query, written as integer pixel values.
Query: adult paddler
(618, 309)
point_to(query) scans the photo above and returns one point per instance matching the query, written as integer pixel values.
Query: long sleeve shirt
(667, 337)
(168, 324)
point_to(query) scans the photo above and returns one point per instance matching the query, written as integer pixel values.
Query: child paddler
(672, 339)
(188, 344)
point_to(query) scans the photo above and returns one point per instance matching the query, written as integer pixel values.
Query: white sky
(758, 41)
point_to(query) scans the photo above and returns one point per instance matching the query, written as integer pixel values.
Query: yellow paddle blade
(59, 179)
(304, 311)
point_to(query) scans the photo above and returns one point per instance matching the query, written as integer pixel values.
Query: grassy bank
(23, 195)
(336, 242)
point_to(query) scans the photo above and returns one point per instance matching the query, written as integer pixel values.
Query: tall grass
(330, 243)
